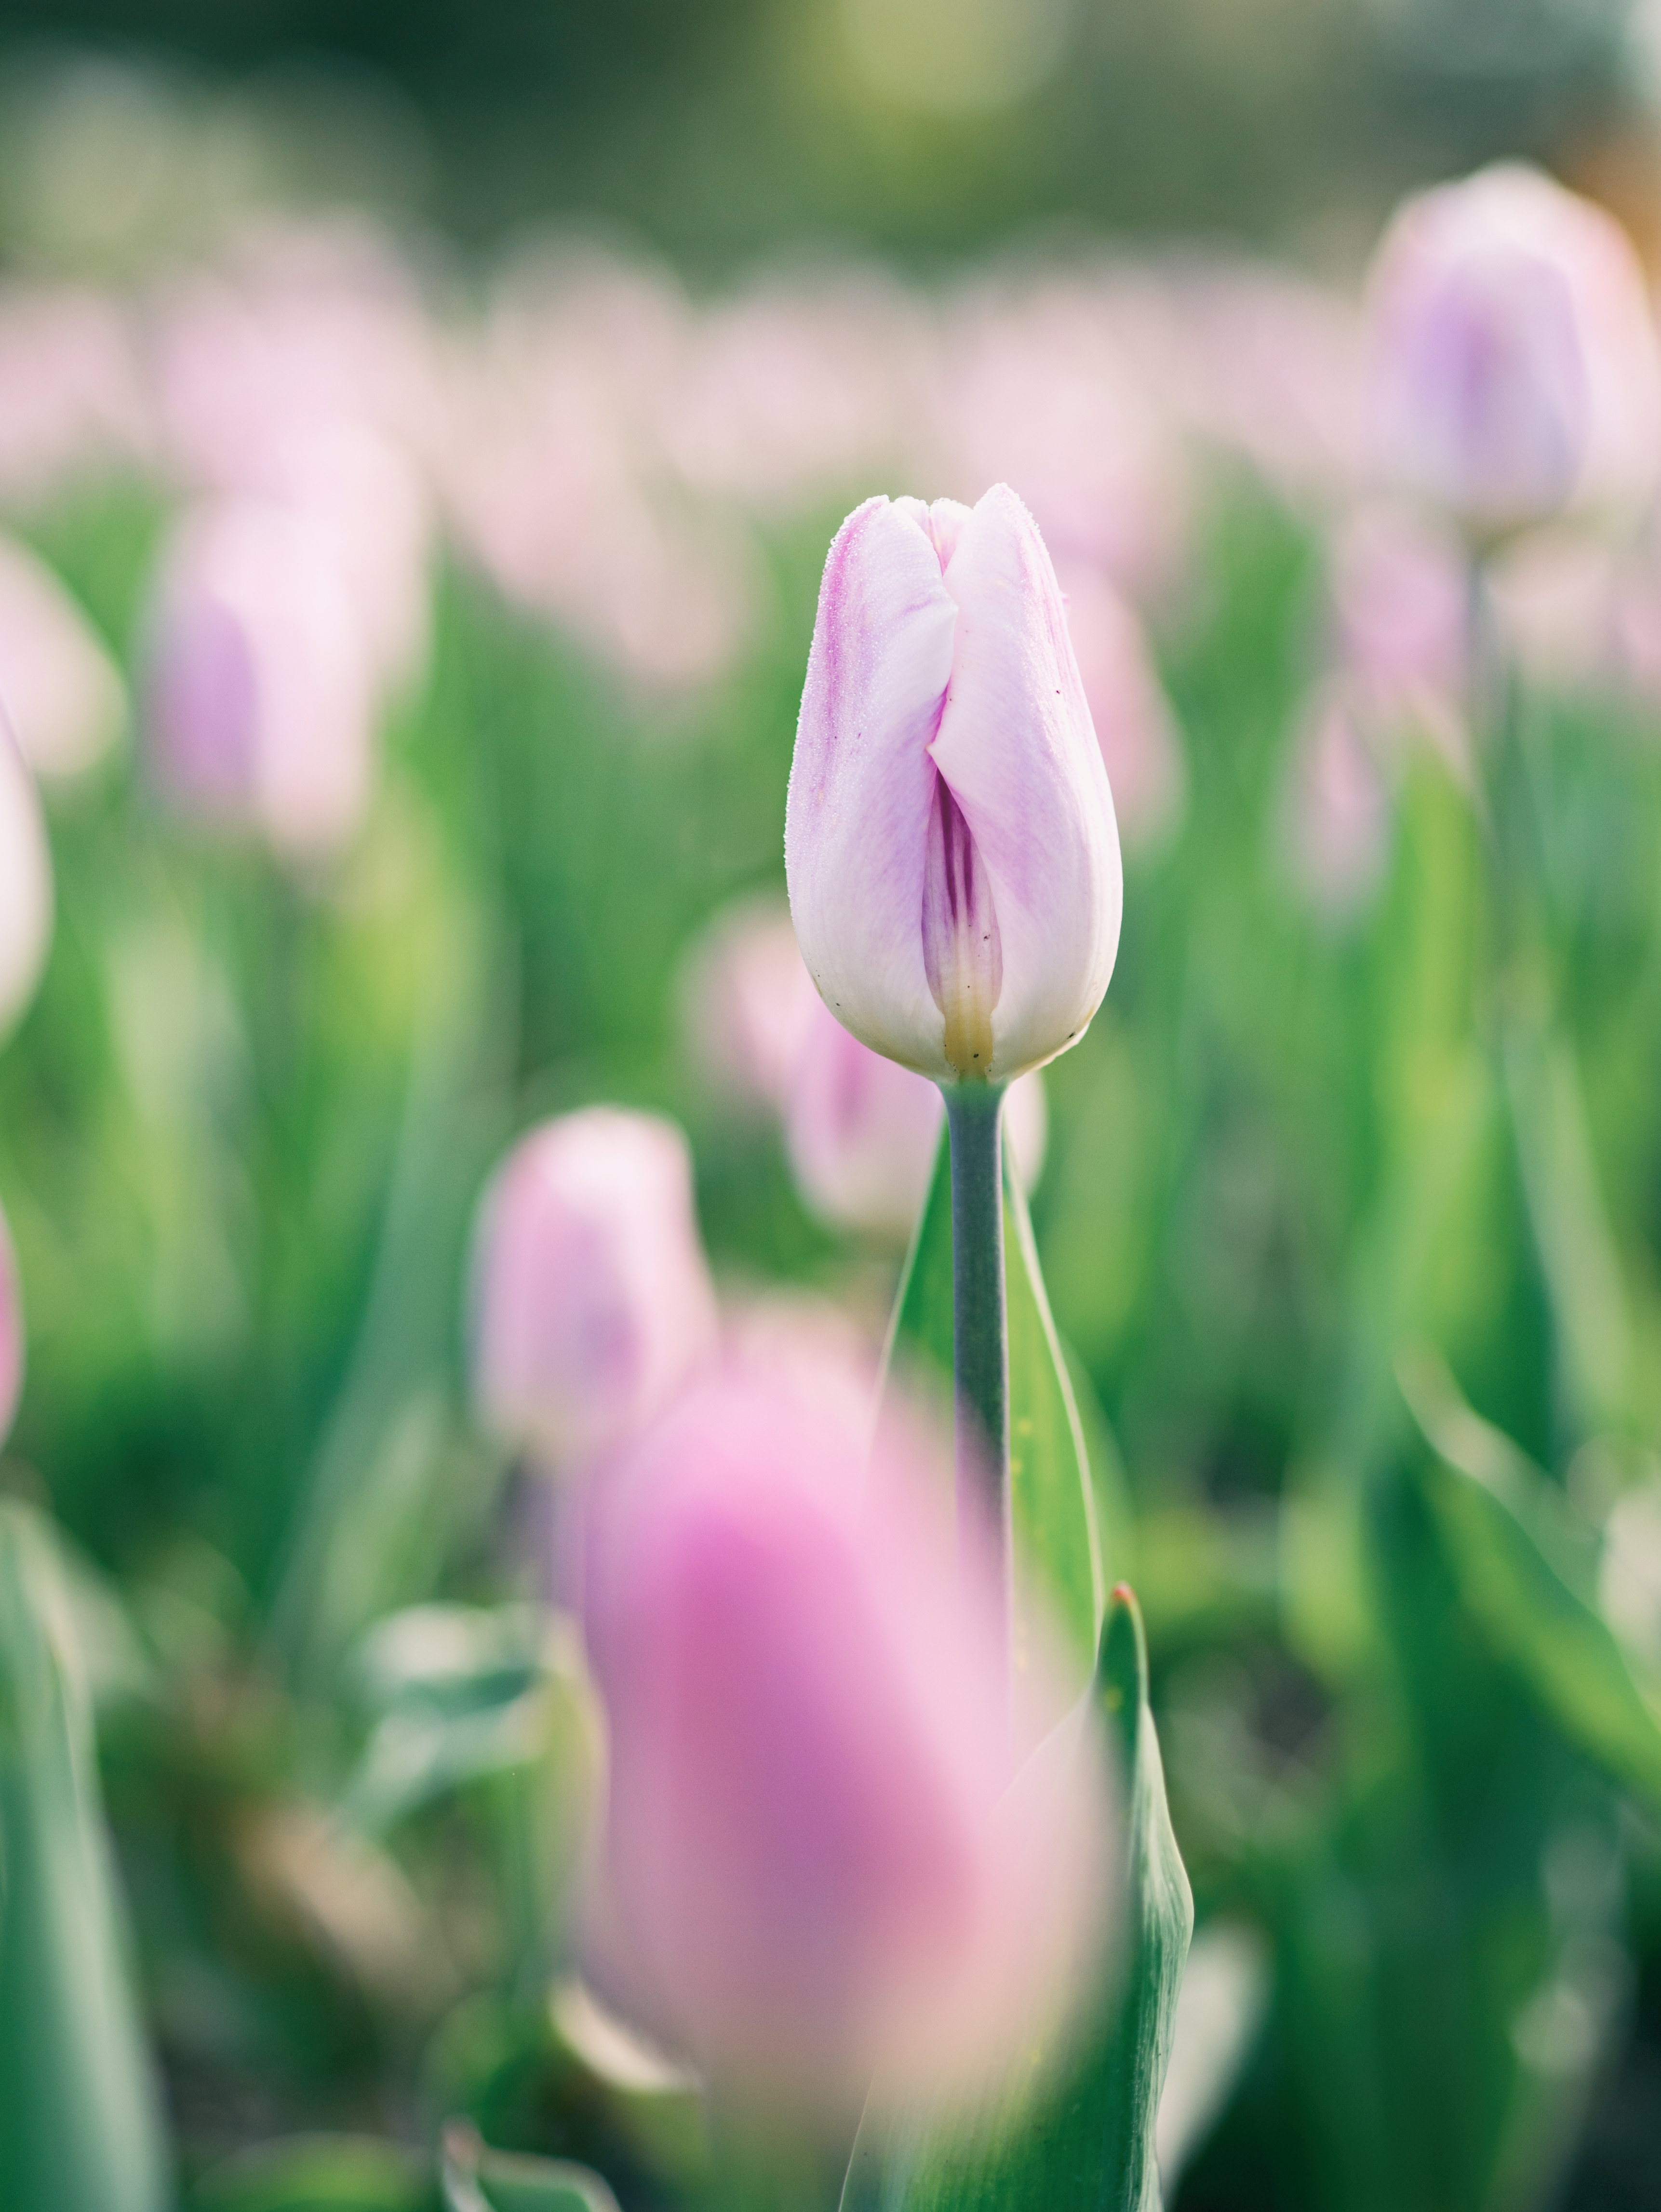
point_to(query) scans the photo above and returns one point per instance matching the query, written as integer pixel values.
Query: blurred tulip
(58, 685)
(949, 842)
(71, 395)
(746, 1000)
(1134, 722)
(11, 1332)
(807, 1876)
(862, 1132)
(258, 696)
(1400, 591)
(1512, 367)
(1338, 806)
(25, 896)
(591, 1298)
(1038, 389)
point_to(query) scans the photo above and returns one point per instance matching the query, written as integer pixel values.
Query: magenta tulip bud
(259, 697)
(862, 1132)
(1513, 370)
(808, 1878)
(65, 699)
(11, 1332)
(949, 842)
(593, 1302)
(26, 894)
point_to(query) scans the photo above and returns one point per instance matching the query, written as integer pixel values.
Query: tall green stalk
(980, 1332)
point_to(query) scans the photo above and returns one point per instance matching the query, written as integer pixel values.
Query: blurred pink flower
(1251, 361)
(72, 399)
(949, 843)
(260, 702)
(862, 1132)
(1556, 597)
(1401, 588)
(792, 393)
(807, 1877)
(61, 691)
(558, 483)
(1338, 806)
(744, 1001)
(11, 1332)
(1135, 725)
(1035, 388)
(26, 885)
(591, 1302)
(1512, 364)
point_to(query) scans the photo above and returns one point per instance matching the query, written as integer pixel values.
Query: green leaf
(1086, 2143)
(318, 2174)
(480, 2180)
(1525, 1563)
(1057, 1542)
(81, 2126)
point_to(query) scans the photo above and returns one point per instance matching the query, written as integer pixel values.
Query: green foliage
(1057, 1541)
(81, 2126)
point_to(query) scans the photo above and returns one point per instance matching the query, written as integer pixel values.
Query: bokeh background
(570, 333)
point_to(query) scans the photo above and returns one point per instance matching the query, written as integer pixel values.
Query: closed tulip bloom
(593, 1302)
(950, 844)
(25, 893)
(11, 1332)
(808, 1878)
(1512, 363)
(862, 1132)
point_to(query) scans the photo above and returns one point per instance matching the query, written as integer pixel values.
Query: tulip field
(830, 1230)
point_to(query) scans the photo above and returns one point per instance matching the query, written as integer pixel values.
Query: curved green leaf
(1057, 1541)
(80, 2127)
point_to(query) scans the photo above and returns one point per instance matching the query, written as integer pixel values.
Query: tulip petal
(1017, 747)
(856, 823)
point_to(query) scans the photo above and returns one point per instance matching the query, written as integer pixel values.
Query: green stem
(980, 1333)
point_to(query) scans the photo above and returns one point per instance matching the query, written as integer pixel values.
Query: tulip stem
(979, 1333)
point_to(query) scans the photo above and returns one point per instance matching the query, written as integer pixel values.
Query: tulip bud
(24, 885)
(259, 697)
(862, 1132)
(1513, 364)
(593, 1302)
(808, 1878)
(949, 844)
(11, 1332)
(65, 699)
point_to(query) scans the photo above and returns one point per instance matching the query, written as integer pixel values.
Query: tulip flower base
(1086, 2143)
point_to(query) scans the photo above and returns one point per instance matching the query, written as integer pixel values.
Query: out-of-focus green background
(1352, 1209)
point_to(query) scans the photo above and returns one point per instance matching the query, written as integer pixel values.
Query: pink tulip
(260, 693)
(1513, 370)
(65, 696)
(71, 397)
(950, 844)
(26, 888)
(11, 1332)
(862, 1132)
(807, 1877)
(593, 1302)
